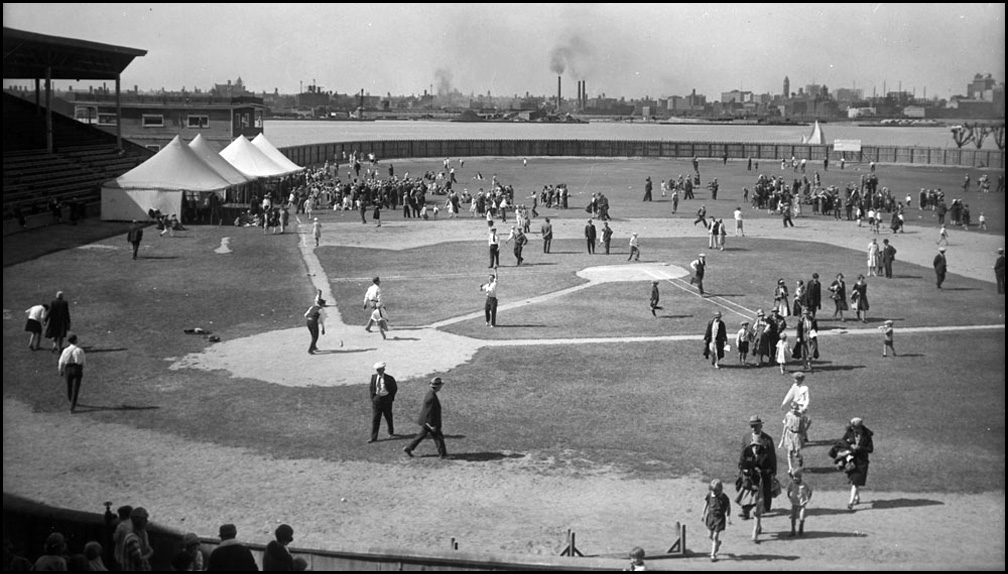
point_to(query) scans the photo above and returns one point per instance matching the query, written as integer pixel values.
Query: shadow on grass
(817, 367)
(139, 257)
(895, 276)
(404, 339)
(784, 535)
(675, 316)
(341, 351)
(960, 288)
(536, 264)
(519, 326)
(821, 469)
(761, 557)
(901, 355)
(484, 456)
(826, 511)
(82, 408)
(903, 503)
(100, 350)
(723, 295)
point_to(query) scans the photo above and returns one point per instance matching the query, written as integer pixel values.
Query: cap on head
(701, 256)
(436, 383)
(856, 422)
(190, 539)
(799, 376)
(755, 421)
(379, 365)
(139, 512)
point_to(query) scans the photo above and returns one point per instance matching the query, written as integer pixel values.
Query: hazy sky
(629, 50)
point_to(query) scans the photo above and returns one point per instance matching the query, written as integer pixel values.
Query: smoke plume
(443, 81)
(575, 54)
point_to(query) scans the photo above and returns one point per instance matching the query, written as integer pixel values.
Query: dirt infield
(506, 503)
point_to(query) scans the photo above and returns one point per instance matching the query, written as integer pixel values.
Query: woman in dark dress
(851, 453)
(754, 482)
(58, 322)
(838, 292)
(859, 297)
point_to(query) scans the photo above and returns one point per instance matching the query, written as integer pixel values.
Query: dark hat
(755, 420)
(375, 280)
(799, 376)
(228, 531)
(190, 539)
(436, 382)
(284, 533)
(139, 512)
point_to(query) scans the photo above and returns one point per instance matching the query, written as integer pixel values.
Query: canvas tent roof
(175, 168)
(816, 137)
(206, 152)
(273, 153)
(250, 160)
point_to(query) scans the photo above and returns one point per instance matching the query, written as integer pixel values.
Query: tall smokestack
(584, 94)
(559, 90)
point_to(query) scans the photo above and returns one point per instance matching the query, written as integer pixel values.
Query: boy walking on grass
(887, 338)
(654, 298)
(799, 493)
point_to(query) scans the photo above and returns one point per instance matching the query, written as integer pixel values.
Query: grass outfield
(651, 408)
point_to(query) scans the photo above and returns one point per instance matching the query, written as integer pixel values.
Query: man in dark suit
(940, 267)
(134, 237)
(807, 335)
(231, 555)
(58, 321)
(383, 391)
(888, 256)
(590, 236)
(714, 340)
(813, 294)
(430, 421)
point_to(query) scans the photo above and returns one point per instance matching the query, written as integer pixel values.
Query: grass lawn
(651, 408)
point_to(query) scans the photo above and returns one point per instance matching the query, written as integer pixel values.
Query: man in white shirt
(36, 318)
(71, 366)
(490, 308)
(371, 299)
(738, 223)
(494, 242)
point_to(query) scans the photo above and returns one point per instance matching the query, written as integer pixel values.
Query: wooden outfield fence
(317, 154)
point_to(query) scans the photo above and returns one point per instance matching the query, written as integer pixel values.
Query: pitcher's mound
(633, 272)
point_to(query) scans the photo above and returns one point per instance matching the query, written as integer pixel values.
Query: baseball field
(578, 411)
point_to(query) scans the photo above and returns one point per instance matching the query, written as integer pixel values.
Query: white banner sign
(846, 145)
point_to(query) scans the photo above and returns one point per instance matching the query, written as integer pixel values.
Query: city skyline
(628, 50)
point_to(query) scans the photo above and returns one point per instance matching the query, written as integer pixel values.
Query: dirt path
(520, 505)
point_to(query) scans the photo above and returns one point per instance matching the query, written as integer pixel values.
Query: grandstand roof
(27, 55)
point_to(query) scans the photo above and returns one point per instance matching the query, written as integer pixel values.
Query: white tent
(251, 161)
(160, 183)
(816, 137)
(209, 155)
(273, 153)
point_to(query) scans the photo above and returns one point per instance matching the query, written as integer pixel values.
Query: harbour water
(282, 133)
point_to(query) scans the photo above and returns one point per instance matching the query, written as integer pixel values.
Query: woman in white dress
(874, 257)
